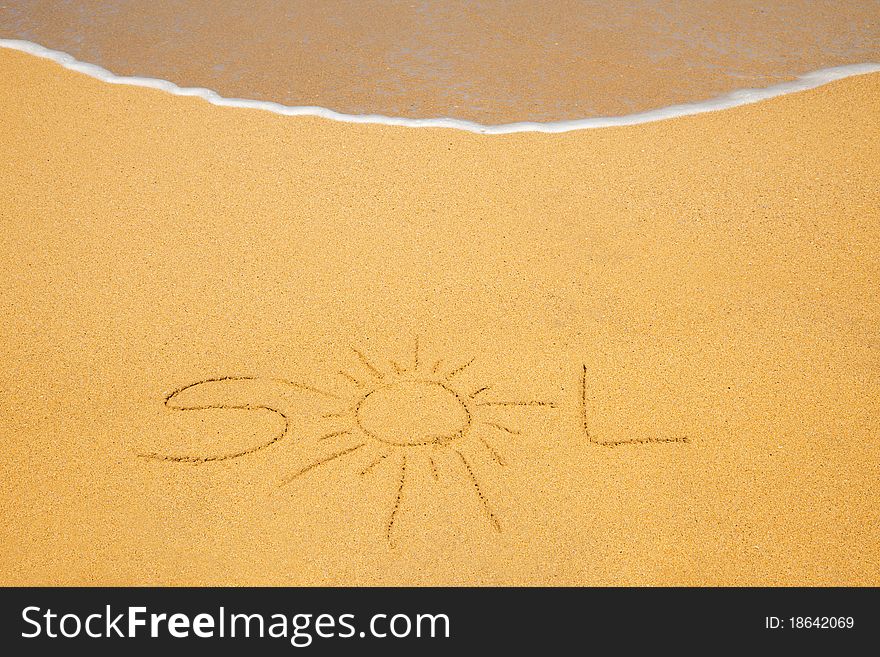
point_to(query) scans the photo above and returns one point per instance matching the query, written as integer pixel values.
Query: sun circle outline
(438, 440)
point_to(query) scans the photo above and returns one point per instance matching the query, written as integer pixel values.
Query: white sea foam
(732, 99)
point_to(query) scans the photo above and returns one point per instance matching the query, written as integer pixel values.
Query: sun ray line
(323, 461)
(458, 370)
(546, 404)
(304, 386)
(397, 367)
(434, 469)
(436, 367)
(644, 441)
(372, 465)
(393, 518)
(416, 355)
(479, 391)
(366, 363)
(351, 378)
(584, 405)
(492, 518)
(343, 413)
(501, 427)
(495, 455)
(333, 434)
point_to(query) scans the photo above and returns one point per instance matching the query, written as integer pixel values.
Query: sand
(709, 281)
(486, 61)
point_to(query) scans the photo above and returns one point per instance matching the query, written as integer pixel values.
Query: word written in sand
(393, 419)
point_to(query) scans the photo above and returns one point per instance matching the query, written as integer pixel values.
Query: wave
(726, 101)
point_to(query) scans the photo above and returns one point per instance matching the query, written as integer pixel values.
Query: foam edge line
(733, 99)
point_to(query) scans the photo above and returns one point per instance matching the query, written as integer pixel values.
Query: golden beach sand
(711, 277)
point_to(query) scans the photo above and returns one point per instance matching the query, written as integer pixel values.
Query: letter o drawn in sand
(412, 413)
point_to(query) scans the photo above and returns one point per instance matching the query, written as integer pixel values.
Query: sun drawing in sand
(401, 417)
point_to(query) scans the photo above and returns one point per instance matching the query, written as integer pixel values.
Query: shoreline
(608, 292)
(729, 100)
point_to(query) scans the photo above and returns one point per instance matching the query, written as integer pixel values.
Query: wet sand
(710, 278)
(489, 62)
